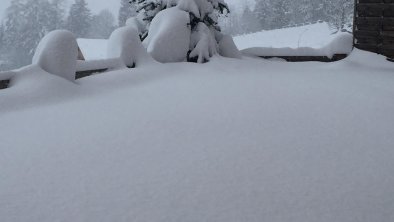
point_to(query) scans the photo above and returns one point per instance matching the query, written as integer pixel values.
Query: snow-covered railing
(58, 53)
(87, 68)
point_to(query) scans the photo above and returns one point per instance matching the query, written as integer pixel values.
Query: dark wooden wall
(374, 26)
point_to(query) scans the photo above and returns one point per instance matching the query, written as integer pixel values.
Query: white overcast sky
(98, 5)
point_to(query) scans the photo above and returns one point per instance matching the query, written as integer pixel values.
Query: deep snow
(230, 140)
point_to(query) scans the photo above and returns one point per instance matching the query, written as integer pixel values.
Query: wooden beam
(4, 84)
(335, 58)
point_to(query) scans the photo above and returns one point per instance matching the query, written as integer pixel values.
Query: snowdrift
(228, 141)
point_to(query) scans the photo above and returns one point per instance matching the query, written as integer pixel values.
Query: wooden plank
(388, 12)
(368, 41)
(374, 21)
(368, 47)
(388, 27)
(336, 57)
(4, 84)
(365, 12)
(82, 74)
(387, 52)
(387, 34)
(369, 1)
(370, 27)
(367, 34)
(387, 40)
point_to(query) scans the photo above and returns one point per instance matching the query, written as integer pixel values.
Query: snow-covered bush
(201, 18)
(57, 54)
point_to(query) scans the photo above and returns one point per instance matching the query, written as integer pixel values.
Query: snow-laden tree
(249, 21)
(57, 14)
(79, 19)
(103, 24)
(231, 23)
(2, 34)
(339, 13)
(281, 13)
(264, 13)
(127, 10)
(205, 32)
(26, 22)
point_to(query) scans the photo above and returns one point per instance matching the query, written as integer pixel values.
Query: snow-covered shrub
(57, 54)
(125, 43)
(202, 21)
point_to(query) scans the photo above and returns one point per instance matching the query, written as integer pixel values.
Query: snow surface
(312, 36)
(230, 140)
(310, 40)
(93, 49)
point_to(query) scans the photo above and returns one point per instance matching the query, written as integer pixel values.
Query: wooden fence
(374, 26)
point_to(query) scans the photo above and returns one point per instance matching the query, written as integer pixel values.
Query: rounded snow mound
(125, 43)
(169, 36)
(57, 54)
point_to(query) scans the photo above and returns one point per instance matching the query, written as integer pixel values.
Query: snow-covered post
(57, 54)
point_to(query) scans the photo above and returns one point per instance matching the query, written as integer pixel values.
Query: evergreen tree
(203, 15)
(264, 13)
(281, 15)
(249, 21)
(57, 14)
(339, 13)
(2, 27)
(79, 19)
(147, 10)
(127, 10)
(26, 23)
(231, 24)
(102, 25)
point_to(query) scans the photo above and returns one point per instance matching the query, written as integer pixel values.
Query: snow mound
(135, 23)
(169, 36)
(57, 54)
(125, 43)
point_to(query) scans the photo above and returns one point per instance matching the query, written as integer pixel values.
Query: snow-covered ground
(310, 40)
(229, 140)
(313, 36)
